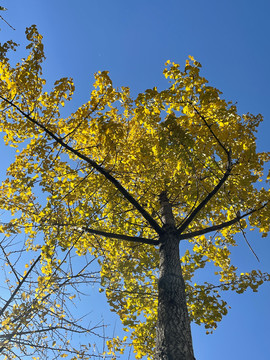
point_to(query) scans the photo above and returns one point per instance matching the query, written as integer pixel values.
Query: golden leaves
(171, 140)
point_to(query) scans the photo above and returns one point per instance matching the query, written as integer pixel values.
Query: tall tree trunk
(174, 340)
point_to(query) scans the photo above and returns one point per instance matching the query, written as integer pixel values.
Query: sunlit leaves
(177, 139)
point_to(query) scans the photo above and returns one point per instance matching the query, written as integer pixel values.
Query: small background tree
(39, 318)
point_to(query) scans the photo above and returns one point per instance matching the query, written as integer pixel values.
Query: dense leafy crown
(104, 167)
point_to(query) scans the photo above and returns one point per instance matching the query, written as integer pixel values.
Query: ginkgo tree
(134, 178)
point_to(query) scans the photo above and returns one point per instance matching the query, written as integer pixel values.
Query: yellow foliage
(176, 140)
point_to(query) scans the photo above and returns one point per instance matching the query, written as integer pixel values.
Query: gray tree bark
(174, 341)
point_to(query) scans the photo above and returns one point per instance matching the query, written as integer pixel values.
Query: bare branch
(7, 23)
(19, 285)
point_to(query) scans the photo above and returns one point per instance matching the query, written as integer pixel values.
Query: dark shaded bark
(174, 340)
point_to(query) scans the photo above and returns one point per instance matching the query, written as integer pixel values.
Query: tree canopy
(92, 182)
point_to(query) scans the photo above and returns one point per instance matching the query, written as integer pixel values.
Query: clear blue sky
(133, 39)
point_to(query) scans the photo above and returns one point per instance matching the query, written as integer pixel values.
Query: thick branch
(120, 236)
(219, 226)
(96, 166)
(194, 213)
(206, 199)
(110, 235)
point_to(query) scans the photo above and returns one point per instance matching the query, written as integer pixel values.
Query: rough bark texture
(174, 340)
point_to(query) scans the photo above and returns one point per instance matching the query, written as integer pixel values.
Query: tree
(134, 178)
(37, 316)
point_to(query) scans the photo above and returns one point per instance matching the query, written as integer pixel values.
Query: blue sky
(133, 39)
